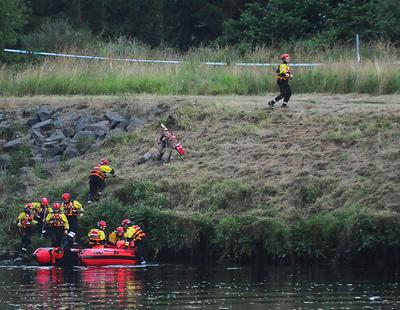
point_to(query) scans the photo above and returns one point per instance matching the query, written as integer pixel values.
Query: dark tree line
(189, 23)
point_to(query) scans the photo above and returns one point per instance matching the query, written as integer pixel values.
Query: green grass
(298, 185)
(340, 74)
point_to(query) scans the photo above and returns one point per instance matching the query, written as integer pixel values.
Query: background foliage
(184, 24)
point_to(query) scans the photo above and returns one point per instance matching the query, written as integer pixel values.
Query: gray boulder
(67, 141)
(5, 125)
(56, 136)
(5, 159)
(122, 125)
(82, 122)
(71, 152)
(53, 163)
(3, 116)
(31, 121)
(44, 126)
(51, 149)
(69, 130)
(12, 145)
(115, 118)
(43, 113)
(37, 137)
(133, 124)
(100, 128)
(70, 117)
(84, 140)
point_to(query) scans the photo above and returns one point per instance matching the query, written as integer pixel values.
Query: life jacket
(26, 222)
(95, 236)
(114, 237)
(56, 220)
(98, 173)
(283, 72)
(70, 209)
(137, 233)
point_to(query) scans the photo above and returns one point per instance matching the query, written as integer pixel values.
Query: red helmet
(101, 224)
(285, 56)
(120, 230)
(126, 222)
(104, 161)
(44, 201)
(28, 207)
(66, 196)
(56, 206)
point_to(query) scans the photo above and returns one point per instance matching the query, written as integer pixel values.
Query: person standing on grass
(283, 75)
(97, 179)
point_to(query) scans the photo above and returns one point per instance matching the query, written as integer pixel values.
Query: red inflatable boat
(108, 256)
(87, 257)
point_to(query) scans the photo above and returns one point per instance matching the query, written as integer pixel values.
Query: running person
(282, 76)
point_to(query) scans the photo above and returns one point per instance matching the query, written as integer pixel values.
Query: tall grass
(339, 74)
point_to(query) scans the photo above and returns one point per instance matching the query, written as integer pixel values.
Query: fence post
(358, 58)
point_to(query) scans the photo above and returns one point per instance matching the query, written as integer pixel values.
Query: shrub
(20, 158)
(142, 194)
(57, 34)
(224, 194)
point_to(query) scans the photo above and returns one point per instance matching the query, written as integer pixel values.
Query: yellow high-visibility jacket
(101, 171)
(283, 72)
(37, 208)
(96, 236)
(73, 208)
(57, 220)
(134, 233)
(25, 221)
(114, 238)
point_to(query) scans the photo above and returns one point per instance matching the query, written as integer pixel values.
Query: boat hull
(87, 257)
(108, 256)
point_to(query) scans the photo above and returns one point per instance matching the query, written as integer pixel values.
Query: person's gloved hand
(66, 232)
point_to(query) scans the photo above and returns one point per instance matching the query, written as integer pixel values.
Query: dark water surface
(193, 287)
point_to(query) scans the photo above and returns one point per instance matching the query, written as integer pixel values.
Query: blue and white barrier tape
(209, 63)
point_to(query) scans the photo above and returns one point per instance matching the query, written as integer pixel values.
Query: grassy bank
(318, 182)
(339, 74)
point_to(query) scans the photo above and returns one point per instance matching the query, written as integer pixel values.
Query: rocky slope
(328, 159)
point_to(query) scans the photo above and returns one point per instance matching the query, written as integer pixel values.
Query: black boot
(271, 104)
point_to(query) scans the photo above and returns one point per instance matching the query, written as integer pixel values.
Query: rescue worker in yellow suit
(135, 237)
(168, 142)
(41, 210)
(72, 209)
(283, 75)
(97, 236)
(97, 179)
(117, 236)
(58, 225)
(25, 221)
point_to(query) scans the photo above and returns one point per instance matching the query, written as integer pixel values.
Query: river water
(198, 287)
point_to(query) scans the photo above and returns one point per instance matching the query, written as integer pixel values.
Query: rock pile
(52, 135)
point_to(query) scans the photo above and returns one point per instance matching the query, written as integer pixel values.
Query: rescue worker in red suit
(283, 75)
(25, 221)
(97, 179)
(58, 225)
(72, 209)
(168, 142)
(97, 236)
(135, 236)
